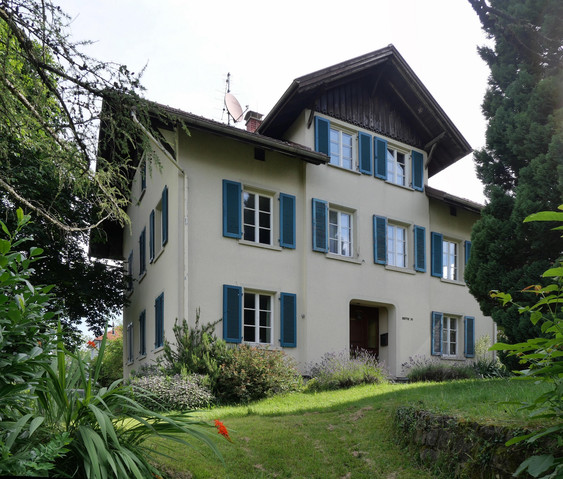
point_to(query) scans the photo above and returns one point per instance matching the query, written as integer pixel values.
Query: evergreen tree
(521, 165)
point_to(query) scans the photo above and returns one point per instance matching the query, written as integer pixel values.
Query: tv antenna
(231, 104)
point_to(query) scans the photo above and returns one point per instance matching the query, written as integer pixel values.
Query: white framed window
(340, 232)
(449, 336)
(450, 260)
(257, 217)
(341, 148)
(396, 166)
(396, 246)
(257, 318)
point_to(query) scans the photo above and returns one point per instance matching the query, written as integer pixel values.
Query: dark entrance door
(364, 329)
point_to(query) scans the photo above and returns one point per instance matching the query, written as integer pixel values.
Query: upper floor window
(340, 233)
(257, 214)
(449, 260)
(396, 167)
(257, 326)
(396, 246)
(130, 353)
(341, 149)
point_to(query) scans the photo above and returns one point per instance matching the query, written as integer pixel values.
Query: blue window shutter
(379, 239)
(380, 154)
(159, 321)
(232, 209)
(151, 236)
(142, 252)
(287, 221)
(467, 251)
(469, 337)
(164, 215)
(436, 246)
(232, 313)
(420, 249)
(364, 141)
(288, 314)
(130, 272)
(436, 334)
(144, 176)
(417, 170)
(320, 225)
(322, 135)
(142, 333)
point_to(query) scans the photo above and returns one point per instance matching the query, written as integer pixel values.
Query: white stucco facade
(341, 300)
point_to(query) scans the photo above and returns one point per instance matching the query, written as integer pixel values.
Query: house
(313, 230)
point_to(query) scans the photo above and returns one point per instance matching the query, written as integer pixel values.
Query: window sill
(157, 255)
(128, 363)
(347, 259)
(404, 187)
(400, 270)
(355, 172)
(157, 350)
(451, 281)
(264, 346)
(142, 276)
(140, 358)
(260, 245)
(452, 358)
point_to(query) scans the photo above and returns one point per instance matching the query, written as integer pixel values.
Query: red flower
(92, 344)
(221, 429)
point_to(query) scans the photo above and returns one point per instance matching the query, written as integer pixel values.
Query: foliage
(168, 393)
(542, 358)
(423, 368)
(520, 165)
(52, 95)
(26, 330)
(485, 366)
(112, 362)
(342, 370)
(251, 373)
(53, 416)
(197, 350)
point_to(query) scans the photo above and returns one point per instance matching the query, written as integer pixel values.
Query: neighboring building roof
(453, 200)
(384, 68)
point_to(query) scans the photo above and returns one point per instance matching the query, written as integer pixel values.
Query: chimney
(253, 121)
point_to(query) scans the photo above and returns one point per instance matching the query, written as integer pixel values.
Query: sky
(188, 47)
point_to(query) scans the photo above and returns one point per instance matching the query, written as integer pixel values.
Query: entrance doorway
(364, 329)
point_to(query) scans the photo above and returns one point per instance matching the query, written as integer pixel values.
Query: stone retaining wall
(463, 449)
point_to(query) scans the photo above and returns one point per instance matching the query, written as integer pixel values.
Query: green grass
(341, 434)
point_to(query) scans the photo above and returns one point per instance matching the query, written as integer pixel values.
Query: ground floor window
(449, 336)
(257, 326)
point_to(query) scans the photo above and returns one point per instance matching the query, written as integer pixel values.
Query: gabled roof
(384, 68)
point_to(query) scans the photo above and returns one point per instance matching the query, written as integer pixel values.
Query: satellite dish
(233, 107)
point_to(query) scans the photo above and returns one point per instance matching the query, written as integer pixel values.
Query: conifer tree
(521, 165)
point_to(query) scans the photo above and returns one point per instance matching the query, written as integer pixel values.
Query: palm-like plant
(107, 429)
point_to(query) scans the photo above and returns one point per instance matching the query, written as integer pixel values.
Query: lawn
(339, 434)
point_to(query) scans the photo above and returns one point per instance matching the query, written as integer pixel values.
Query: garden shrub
(197, 350)
(343, 370)
(178, 392)
(485, 366)
(112, 364)
(252, 373)
(422, 368)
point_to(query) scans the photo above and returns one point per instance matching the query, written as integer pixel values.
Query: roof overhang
(443, 142)
(453, 200)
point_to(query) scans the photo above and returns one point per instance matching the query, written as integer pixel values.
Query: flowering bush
(343, 370)
(251, 374)
(422, 368)
(173, 392)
